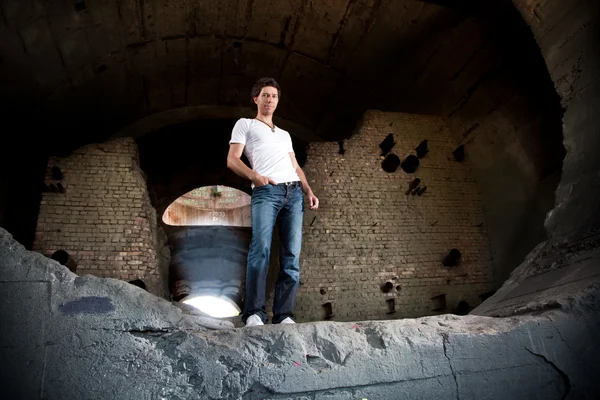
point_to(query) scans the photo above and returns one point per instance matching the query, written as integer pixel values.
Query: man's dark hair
(261, 83)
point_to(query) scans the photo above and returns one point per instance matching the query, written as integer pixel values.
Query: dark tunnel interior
(178, 91)
(453, 145)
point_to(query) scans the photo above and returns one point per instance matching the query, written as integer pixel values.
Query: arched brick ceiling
(93, 67)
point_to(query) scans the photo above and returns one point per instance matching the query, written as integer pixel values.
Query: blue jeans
(283, 204)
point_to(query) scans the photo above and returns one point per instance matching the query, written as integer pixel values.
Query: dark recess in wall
(522, 66)
(21, 188)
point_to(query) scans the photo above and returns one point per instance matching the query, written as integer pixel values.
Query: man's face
(267, 100)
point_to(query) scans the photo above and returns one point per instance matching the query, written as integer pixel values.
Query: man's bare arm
(312, 199)
(235, 163)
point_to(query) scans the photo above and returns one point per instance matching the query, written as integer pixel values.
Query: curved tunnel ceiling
(91, 68)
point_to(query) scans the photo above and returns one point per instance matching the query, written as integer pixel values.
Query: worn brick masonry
(104, 218)
(367, 231)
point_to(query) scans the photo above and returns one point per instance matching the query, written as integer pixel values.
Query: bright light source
(217, 307)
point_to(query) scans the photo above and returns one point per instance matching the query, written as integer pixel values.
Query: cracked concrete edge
(444, 342)
(562, 374)
(140, 306)
(557, 274)
(147, 338)
(134, 307)
(272, 361)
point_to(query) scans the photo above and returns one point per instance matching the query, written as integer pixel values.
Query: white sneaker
(254, 320)
(288, 320)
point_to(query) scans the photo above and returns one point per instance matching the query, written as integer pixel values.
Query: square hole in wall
(438, 303)
(391, 306)
(328, 308)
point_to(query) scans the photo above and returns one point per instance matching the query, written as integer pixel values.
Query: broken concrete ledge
(70, 337)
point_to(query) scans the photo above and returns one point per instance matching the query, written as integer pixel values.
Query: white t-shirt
(267, 151)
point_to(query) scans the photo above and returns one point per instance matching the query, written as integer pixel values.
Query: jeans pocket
(257, 188)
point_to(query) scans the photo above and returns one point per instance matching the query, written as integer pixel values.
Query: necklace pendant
(270, 127)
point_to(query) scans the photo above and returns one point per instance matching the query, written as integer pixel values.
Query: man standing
(277, 186)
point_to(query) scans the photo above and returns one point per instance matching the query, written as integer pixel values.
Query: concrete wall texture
(567, 35)
(70, 337)
(104, 218)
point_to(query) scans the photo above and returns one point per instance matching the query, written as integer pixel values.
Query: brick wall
(367, 231)
(103, 218)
